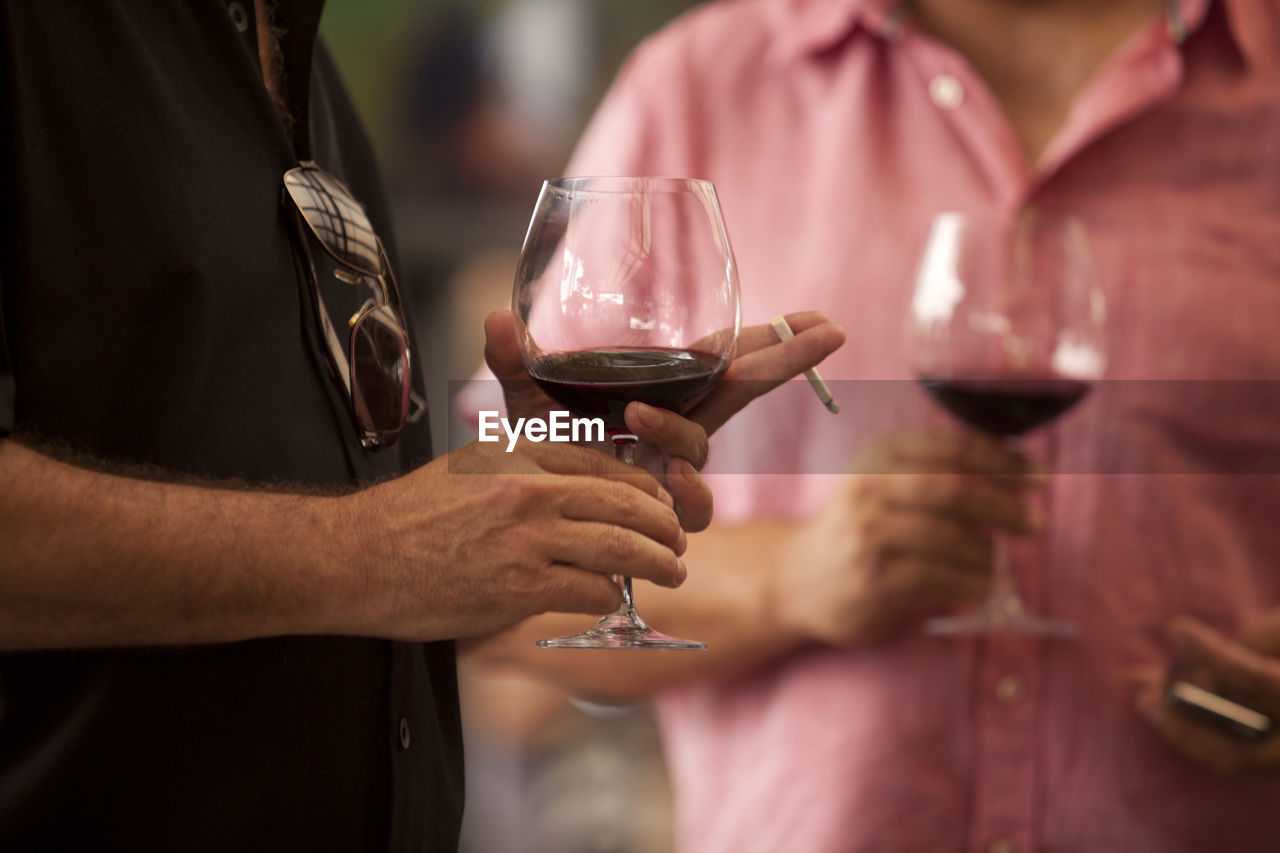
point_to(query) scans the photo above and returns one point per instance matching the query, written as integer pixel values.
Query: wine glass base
(1000, 623)
(617, 632)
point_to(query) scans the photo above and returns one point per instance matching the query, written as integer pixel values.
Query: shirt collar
(1254, 26)
(812, 26)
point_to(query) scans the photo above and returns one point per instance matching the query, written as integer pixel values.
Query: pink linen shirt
(833, 133)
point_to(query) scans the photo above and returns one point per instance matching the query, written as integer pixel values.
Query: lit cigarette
(819, 387)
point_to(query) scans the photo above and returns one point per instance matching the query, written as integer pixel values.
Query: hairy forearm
(728, 602)
(96, 559)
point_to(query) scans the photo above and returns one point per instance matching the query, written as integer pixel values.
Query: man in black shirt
(219, 634)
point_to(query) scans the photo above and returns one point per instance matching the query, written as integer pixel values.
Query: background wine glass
(1007, 333)
(626, 289)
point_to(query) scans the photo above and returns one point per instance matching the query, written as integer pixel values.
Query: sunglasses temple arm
(333, 346)
(391, 296)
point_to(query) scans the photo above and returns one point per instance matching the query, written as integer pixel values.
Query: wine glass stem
(624, 448)
(1004, 597)
(628, 601)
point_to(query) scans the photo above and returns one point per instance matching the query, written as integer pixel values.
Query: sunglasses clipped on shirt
(375, 369)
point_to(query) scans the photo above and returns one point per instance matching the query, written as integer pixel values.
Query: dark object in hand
(1218, 711)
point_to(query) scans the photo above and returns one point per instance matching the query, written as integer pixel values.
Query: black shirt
(153, 317)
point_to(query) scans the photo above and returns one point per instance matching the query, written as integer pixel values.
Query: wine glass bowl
(1007, 333)
(626, 289)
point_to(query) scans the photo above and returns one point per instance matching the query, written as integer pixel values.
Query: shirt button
(1010, 689)
(404, 733)
(1002, 845)
(239, 16)
(946, 91)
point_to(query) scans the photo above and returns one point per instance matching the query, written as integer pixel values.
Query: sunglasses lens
(380, 375)
(336, 218)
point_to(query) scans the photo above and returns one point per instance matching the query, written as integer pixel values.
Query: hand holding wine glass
(1007, 334)
(760, 363)
(626, 290)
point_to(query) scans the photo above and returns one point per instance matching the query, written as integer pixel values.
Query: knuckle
(597, 464)
(865, 489)
(670, 570)
(870, 563)
(950, 488)
(627, 498)
(621, 543)
(583, 461)
(911, 576)
(512, 494)
(869, 529)
(670, 526)
(526, 579)
(953, 536)
(529, 485)
(701, 450)
(580, 459)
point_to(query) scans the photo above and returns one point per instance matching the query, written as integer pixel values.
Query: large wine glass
(1007, 333)
(626, 289)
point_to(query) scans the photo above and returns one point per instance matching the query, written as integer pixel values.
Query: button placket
(968, 106)
(1007, 762)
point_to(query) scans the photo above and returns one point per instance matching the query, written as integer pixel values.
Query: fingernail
(682, 542)
(649, 416)
(681, 574)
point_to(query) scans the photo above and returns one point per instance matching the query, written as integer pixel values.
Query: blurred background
(471, 105)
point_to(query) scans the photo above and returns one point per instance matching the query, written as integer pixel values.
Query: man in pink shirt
(822, 719)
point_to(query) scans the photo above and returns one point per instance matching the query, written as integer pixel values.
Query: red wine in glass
(1006, 407)
(598, 383)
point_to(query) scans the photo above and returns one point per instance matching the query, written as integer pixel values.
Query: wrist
(779, 604)
(331, 571)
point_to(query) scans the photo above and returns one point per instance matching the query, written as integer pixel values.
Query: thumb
(502, 354)
(500, 350)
